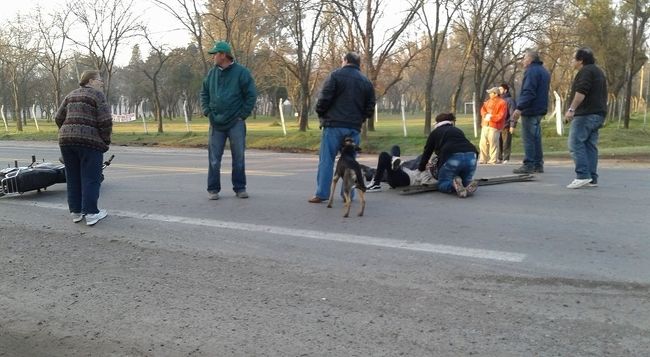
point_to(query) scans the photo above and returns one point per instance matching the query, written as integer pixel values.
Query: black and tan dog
(349, 170)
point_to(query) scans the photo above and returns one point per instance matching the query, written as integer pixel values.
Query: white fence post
(187, 121)
(376, 116)
(34, 116)
(474, 119)
(403, 116)
(284, 128)
(2, 111)
(558, 113)
(144, 121)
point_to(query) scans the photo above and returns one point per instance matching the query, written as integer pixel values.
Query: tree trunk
(19, 123)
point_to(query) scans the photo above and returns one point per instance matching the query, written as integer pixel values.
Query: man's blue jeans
(583, 144)
(330, 143)
(531, 135)
(216, 144)
(83, 176)
(461, 164)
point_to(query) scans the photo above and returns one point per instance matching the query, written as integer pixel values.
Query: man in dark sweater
(587, 114)
(456, 157)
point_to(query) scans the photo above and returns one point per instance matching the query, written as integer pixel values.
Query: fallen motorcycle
(35, 177)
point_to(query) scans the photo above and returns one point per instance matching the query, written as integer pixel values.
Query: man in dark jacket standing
(227, 99)
(345, 102)
(587, 114)
(531, 107)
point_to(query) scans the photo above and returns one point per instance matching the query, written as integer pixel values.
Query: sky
(165, 29)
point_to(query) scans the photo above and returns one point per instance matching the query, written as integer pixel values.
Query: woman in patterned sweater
(85, 123)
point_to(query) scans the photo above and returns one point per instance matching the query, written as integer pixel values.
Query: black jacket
(445, 141)
(346, 100)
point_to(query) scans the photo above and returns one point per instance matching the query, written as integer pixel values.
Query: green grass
(266, 133)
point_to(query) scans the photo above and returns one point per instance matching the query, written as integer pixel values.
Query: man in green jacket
(227, 99)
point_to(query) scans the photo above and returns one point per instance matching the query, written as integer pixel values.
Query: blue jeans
(330, 143)
(531, 135)
(216, 144)
(83, 176)
(461, 164)
(583, 144)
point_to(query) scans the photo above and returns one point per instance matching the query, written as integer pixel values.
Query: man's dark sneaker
(538, 170)
(523, 170)
(373, 187)
(593, 183)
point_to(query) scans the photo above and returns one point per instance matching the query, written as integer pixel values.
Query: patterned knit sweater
(84, 119)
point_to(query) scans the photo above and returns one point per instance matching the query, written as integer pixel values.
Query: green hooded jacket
(228, 95)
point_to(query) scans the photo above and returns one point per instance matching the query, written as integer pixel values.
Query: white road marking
(309, 234)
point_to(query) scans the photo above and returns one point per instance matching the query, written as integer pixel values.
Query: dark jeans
(505, 144)
(461, 164)
(531, 135)
(83, 174)
(216, 144)
(395, 178)
(583, 144)
(330, 144)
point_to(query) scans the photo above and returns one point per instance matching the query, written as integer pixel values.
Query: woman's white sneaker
(577, 183)
(91, 219)
(77, 217)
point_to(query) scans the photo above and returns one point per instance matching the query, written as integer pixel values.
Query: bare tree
(640, 16)
(152, 68)
(17, 49)
(436, 35)
(188, 13)
(491, 27)
(53, 30)
(108, 24)
(363, 18)
(301, 27)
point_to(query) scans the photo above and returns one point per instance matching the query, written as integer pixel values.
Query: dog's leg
(332, 188)
(362, 198)
(347, 197)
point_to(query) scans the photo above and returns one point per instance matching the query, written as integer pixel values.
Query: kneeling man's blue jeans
(461, 164)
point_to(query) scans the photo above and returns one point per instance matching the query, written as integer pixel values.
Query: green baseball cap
(221, 46)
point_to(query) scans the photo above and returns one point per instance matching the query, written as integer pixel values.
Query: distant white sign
(123, 118)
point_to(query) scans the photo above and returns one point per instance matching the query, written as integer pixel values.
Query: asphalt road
(527, 268)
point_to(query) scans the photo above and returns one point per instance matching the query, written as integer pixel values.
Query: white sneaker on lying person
(373, 187)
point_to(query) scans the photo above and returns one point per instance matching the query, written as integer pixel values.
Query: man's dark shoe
(316, 199)
(523, 170)
(538, 170)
